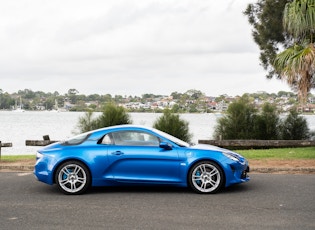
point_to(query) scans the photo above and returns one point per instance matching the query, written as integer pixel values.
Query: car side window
(107, 140)
(134, 138)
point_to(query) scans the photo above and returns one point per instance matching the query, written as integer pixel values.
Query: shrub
(111, 115)
(238, 122)
(172, 124)
(294, 127)
(243, 122)
(267, 123)
(86, 123)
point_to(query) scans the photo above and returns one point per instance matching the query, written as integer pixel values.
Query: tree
(176, 109)
(296, 64)
(243, 122)
(267, 123)
(176, 95)
(7, 102)
(172, 124)
(194, 94)
(238, 122)
(294, 127)
(111, 115)
(288, 24)
(86, 123)
(72, 94)
(266, 18)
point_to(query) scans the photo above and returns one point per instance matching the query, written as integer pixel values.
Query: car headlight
(231, 156)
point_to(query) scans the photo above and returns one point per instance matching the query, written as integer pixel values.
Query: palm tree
(296, 64)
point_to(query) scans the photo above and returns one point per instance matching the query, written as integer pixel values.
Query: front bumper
(244, 173)
(237, 173)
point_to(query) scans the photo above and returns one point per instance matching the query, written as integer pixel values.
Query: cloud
(128, 46)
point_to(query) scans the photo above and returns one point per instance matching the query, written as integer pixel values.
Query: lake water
(16, 127)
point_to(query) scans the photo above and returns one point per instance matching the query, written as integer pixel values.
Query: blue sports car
(136, 155)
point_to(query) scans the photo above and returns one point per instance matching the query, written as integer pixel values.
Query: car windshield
(76, 139)
(172, 138)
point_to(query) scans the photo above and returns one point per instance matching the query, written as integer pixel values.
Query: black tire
(73, 178)
(206, 177)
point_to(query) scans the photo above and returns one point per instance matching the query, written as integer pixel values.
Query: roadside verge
(296, 166)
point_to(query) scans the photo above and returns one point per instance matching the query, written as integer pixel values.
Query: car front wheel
(73, 177)
(206, 177)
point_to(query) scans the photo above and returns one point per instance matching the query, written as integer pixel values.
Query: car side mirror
(166, 146)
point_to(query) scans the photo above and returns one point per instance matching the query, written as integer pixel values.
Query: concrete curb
(25, 168)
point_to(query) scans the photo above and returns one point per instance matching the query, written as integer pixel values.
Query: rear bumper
(42, 173)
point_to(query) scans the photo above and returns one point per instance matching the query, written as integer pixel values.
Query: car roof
(118, 128)
(125, 126)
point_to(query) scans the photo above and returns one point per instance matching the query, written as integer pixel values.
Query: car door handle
(117, 153)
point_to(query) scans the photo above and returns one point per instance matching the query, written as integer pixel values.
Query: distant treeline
(190, 101)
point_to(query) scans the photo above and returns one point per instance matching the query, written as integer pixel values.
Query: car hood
(218, 149)
(208, 147)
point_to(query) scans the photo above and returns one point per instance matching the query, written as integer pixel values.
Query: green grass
(14, 158)
(280, 153)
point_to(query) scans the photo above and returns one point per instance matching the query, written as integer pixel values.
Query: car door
(135, 157)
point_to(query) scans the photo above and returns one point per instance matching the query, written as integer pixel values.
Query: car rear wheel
(206, 177)
(73, 177)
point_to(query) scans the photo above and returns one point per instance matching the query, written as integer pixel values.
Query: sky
(130, 47)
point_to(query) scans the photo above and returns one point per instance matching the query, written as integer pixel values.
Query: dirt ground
(272, 163)
(29, 162)
(296, 166)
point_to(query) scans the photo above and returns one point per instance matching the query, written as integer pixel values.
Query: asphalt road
(268, 201)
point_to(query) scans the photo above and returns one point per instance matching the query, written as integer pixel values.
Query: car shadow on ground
(237, 188)
(138, 189)
(53, 190)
